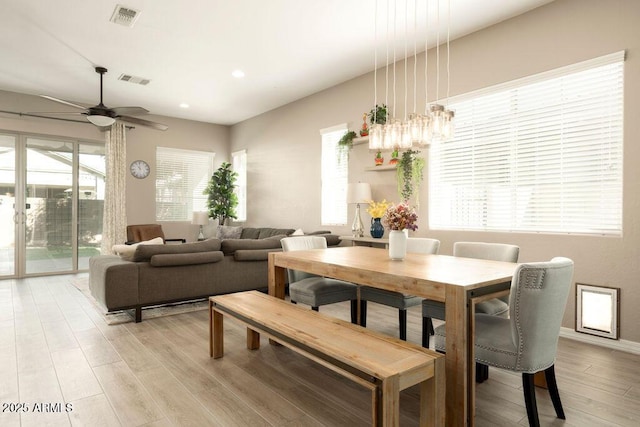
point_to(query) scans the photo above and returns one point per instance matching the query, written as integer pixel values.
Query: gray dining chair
(313, 290)
(396, 299)
(479, 250)
(527, 340)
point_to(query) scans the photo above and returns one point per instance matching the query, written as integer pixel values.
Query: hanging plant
(409, 173)
(378, 114)
(344, 145)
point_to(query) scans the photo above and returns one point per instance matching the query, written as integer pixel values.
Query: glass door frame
(20, 200)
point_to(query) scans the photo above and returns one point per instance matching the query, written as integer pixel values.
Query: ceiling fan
(103, 116)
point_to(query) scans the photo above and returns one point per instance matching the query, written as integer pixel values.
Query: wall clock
(140, 169)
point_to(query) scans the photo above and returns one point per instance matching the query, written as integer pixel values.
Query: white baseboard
(621, 345)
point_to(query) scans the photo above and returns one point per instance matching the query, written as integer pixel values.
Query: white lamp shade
(359, 193)
(99, 120)
(200, 218)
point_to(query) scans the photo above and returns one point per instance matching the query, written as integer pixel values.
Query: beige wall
(141, 144)
(283, 145)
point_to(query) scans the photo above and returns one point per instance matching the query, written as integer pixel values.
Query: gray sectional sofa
(160, 274)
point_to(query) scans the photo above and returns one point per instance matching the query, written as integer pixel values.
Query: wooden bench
(382, 364)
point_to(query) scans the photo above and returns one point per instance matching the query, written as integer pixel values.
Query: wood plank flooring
(66, 366)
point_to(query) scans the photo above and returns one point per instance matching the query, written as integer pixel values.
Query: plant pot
(377, 229)
(397, 245)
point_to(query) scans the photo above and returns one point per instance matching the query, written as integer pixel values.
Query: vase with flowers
(377, 210)
(399, 219)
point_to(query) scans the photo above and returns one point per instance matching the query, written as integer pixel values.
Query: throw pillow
(126, 251)
(228, 232)
(298, 232)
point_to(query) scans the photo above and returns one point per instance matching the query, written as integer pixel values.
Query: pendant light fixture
(413, 130)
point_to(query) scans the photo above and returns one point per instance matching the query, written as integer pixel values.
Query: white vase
(397, 245)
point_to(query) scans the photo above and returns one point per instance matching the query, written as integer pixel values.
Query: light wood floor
(56, 350)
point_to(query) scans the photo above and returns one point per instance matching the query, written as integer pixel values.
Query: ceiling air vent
(134, 79)
(125, 16)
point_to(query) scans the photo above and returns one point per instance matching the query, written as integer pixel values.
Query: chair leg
(530, 399)
(427, 331)
(354, 311)
(402, 319)
(482, 372)
(363, 313)
(550, 376)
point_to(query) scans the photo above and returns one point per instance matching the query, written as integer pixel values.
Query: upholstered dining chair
(314, 290)
(141, 232)
(497, 306)
(527, 341)
(396, 299)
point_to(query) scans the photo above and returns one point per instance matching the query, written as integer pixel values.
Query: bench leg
(432, 397)
(390, 402)
(253, 339)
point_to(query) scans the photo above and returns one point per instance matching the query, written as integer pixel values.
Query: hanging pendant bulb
(447, 125)
(437, 120)
(375, 137)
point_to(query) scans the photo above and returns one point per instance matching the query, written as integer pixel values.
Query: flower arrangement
(377, 209)
(401, 217)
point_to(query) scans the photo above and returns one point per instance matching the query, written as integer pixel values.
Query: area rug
(126, 316)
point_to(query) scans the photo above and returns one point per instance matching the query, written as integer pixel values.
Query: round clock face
(140, 169)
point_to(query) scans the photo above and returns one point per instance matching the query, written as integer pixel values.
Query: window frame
(334, 176)
(492, 156)
(191, 160)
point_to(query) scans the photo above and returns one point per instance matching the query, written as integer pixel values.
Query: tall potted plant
(409, 174)
(221, 200)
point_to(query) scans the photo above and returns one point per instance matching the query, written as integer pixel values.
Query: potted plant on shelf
(344, 145)
(222, 200)
(409, 173)
(378, 114)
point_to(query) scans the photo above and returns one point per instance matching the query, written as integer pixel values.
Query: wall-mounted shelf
(361, 140)
(381, 168)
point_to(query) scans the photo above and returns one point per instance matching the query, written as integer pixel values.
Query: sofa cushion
(126, 251)
(264, 232)
(144, 253)
(229, 246)
(254, 254)
(227, 232)
(170, 260)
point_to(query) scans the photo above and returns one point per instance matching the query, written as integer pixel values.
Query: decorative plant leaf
(221, 200)
(409, 173)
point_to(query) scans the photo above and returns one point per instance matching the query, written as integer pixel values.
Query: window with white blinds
(239, 166)
(540, 154)
(181, 177)
(335, 173)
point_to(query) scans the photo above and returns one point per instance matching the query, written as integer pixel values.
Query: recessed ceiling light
(238, 74)
(184, 105)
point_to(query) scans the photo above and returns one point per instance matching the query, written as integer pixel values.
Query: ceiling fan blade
(148, 123)
(75, 113)
(130, 111)
(62, 101)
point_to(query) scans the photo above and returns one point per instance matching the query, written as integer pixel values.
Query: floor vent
(134, 79)
(125, 16)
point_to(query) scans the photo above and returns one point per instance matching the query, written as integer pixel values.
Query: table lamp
(201, 219)
(358, 193)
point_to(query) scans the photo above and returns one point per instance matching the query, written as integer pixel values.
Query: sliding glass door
(51, 211)
(8, 214)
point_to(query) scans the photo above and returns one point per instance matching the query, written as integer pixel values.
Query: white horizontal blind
(335, 173)
(181, 177)
(543, 154)
(239, 166)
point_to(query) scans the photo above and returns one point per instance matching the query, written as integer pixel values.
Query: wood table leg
(390, 402)
(457, 357)
(253, 339)
(218, 335)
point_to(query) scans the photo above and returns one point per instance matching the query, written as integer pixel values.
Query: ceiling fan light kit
(103, 116)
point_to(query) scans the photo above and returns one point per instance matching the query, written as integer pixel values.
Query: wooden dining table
(458, 282)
